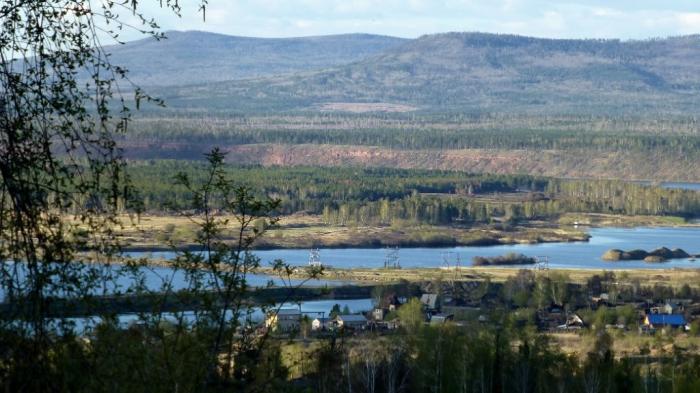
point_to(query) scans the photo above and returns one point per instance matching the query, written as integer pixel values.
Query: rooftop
(288, 311)
(666, 319)
(352, 318)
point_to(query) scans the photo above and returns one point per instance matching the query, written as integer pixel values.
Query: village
(549, 304)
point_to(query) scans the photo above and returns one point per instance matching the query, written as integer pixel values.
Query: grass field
(668, 277)
(628, 343)
(305, 231)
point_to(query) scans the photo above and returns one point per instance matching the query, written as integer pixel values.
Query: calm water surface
(585, 255)
(312, 309)
(681, 185)
(160, 278)
(561, 255)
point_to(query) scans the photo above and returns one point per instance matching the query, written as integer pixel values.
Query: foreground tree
(58, 117)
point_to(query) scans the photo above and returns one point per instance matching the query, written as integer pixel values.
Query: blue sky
(626, 19)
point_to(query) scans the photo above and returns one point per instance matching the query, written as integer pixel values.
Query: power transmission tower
(315, 258)
(391, 261)
(542, 263)
(452, 260)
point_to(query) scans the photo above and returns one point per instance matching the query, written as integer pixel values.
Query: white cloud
(606, 12)
(412, 18)
(689, 20)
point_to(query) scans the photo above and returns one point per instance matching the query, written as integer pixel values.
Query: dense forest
(347, 196)
(629, 148)
(676, 135)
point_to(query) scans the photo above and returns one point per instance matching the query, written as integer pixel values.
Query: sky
(625, 19)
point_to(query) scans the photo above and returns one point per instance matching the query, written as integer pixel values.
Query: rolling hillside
(474, 72)
(198, 57)
(475, 102)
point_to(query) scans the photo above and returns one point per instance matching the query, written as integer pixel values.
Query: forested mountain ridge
(621, 148)
(476, 72)
(189, 57)
(476, 102)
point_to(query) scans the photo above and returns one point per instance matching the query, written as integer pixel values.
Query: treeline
(354, 196)
(185, 121)
(558, 197)
(312, 189)
(422, 134)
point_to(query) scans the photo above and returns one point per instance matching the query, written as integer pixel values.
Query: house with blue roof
(655, 321)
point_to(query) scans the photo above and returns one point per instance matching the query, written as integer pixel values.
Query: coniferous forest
(378, 196)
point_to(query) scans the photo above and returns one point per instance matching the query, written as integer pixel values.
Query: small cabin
(285, 320)
(321, 323)
(441, 319)
(352, 321)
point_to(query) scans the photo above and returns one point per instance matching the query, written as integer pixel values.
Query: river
(672, 185)
(573, 255)
(681, 185)
(312, 309)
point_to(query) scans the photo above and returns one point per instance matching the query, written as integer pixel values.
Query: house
(679, 305)
(385, 325)
(378, 314)
(654, 321)
(321, 323)
(666, 308)
(573, 322)
(284, 320)
(441, 319)
(429, 301)
(391, 302)
(670, 308)
(351, 321)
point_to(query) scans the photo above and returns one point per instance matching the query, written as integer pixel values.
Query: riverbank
(618, 220)
(666, 277)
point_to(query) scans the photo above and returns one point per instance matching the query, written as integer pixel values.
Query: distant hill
(473, 72)
(193, 57)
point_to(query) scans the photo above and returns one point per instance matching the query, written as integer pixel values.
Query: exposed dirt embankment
(583, 164)
(556, 163)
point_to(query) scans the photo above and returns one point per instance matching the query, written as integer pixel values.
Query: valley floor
(675, 278)
(155, 233)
